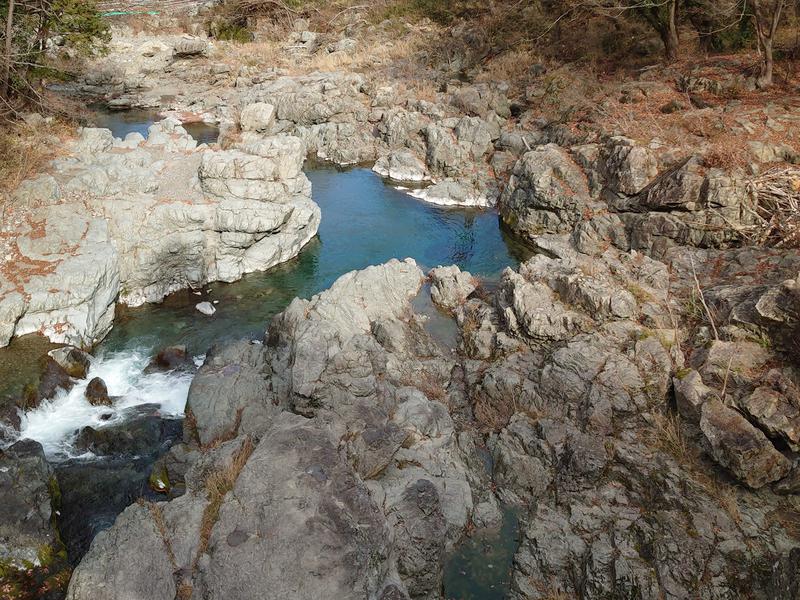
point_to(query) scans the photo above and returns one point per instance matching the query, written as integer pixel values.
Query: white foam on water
(55, 422)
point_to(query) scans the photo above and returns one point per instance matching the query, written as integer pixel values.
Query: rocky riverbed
(625, 389)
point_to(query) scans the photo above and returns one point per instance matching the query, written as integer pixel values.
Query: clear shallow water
(364, 222)
(480, 567)
(123, 122)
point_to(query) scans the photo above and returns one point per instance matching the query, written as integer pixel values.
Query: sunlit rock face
(135, 220)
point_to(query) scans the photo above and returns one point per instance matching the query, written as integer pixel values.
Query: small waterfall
(55, 422)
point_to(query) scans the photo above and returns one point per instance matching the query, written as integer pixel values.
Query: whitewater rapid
(56, 422)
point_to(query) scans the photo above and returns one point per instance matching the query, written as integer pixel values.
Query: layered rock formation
(637, 197)
(134, 220)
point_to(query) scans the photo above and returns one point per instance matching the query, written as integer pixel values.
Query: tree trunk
(6, 85)
(666, 26)
(767, 17)
(767, 63)
(669, 35)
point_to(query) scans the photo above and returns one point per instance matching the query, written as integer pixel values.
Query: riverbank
(614, 370)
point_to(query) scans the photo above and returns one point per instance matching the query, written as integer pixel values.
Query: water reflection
(364, 222)
(138, 120)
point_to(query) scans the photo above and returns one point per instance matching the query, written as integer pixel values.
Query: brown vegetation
(218, 484)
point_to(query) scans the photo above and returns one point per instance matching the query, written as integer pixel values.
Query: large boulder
(230, 393)
(28, 490)
(547, 192)
(142, 570)
(97, 392)
(315, 503)
(740, 447)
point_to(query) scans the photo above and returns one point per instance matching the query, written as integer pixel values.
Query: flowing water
(364, 222)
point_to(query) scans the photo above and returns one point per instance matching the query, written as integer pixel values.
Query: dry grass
(371, 54)
(161, 526)
(25, 150)
(492, 415)
(218, 484)
(777, 209)
(666, 434)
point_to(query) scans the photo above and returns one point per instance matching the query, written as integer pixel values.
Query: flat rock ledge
(134, 220)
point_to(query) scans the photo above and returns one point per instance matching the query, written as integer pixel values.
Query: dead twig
(703, 300)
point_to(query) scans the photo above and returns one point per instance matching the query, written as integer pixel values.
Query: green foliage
(73, 24)
(79, 25)
(231, 32)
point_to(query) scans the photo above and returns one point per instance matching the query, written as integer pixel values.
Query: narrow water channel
(364, 222)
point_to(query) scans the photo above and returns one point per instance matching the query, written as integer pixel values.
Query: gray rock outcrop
(134, 225)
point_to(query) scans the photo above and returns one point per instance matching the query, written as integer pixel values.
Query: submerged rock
(172, 358)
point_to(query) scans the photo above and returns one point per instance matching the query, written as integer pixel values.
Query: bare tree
(9, 50)
(767, 17)
(662, 15)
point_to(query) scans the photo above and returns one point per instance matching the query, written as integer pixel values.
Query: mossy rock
(159, 479)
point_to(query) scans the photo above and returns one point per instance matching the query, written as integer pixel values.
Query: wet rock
(74, 361)
(97, 392)
(27, 487)
(53, 379)
(139, 435)
(172, 358)
(450, 286)
(740, 447)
